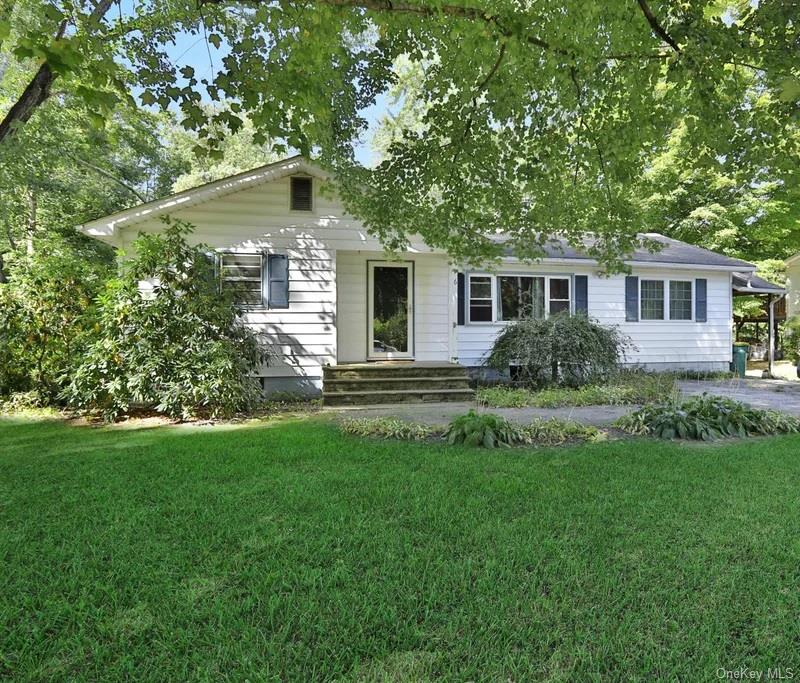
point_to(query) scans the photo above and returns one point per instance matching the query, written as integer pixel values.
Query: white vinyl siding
(658, 343)
(326, 319)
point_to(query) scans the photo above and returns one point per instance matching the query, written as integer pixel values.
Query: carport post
(771, 335)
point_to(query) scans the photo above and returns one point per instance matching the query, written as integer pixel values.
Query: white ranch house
(321, 288)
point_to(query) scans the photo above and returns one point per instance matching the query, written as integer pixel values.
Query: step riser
(375, 373)
(338, 386)
(389, 397)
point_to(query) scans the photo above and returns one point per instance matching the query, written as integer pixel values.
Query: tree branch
(38, 89)
(658, 29)
(110, 176)
(455, 11)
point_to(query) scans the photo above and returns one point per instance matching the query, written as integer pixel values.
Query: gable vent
(301, 193)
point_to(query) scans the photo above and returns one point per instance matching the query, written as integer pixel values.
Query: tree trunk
(3, 278)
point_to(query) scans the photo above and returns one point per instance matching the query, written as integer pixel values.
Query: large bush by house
(180, 349)
(559, 350)
(47, 316)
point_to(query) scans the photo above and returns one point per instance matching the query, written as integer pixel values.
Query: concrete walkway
(775, 394)
(443, 413)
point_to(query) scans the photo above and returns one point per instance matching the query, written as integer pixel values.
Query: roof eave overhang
(738, 268)
(106, 228)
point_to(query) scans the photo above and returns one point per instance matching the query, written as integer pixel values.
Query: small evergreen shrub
(706, 418)
(561, 350)
(387, 428)
(483, 429)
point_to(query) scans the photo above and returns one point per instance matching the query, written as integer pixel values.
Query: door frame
(390, 355)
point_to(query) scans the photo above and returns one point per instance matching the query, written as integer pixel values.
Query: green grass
(292, 552)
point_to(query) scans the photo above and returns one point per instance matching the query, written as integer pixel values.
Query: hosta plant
(387, 428)
(706, 418)
(483, 429)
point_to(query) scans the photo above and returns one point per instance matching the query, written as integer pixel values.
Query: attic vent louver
(301, 194)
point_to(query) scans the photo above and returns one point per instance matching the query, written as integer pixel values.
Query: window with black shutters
(255, 280)
(301, 194)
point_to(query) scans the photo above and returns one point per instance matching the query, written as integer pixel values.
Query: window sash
(242, 276)
(480, 307)
(651, 297)
(680, 299)
(559, 304)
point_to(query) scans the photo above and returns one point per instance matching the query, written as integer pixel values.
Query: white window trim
(493, 302)
(667, 312)
(494, 277)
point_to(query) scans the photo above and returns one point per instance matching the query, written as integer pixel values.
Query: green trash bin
(739, 364)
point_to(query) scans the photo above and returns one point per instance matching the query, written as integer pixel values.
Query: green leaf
(215, 40)
(96, 120)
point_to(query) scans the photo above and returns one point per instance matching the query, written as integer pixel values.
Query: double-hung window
(652, 299)
(666, 299)
(255, 279)
(558, 293)
(480, 298)
(680, 300)
(503, 298)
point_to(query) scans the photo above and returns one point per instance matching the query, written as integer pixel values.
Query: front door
(390, 310)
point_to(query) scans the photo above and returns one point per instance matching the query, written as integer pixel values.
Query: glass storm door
(390, 310)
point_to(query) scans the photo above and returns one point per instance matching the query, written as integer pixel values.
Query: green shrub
(387, 428)
(182, 351)
(623, 388)
(561, 350)
(553, 432)
(47, 317)
(484, 429)
(706, 418)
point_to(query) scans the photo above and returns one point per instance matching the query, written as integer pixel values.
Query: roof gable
(106, 226)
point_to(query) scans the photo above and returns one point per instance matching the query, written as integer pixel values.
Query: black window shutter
(278, 269)
(301, 193)
(631, 299)
(582, 294)
(462, 296)
(701, 300)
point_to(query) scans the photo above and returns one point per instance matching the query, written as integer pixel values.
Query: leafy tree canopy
(534, 118)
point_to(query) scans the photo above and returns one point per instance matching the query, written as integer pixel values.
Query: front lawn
(292, 552)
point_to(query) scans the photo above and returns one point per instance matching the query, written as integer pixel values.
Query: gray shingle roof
(744, 283)
(673, 251)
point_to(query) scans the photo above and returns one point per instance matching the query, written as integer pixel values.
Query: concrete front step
(350, 398)
(388, 382)
(366, 371)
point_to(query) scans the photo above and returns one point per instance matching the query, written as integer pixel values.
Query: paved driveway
(760, 393)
